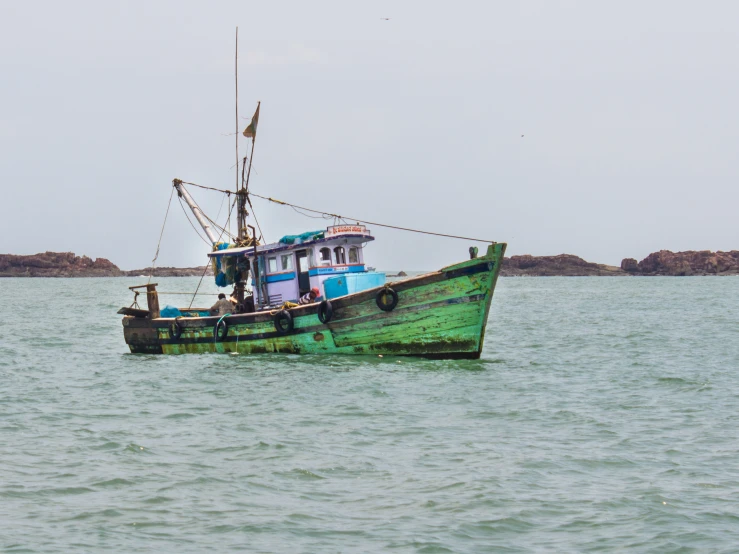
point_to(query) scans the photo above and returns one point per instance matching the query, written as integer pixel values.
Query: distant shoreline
(67, 264)
(662, 263)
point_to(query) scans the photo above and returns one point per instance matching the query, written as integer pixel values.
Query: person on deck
(222, 307)
(309, 297)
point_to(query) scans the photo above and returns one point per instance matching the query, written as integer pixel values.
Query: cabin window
(325, 255)
(311, 259)
(354, 255)
(272, 264)
(287, 262)
(340, 255)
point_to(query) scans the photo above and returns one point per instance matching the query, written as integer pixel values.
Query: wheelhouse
(330, 260)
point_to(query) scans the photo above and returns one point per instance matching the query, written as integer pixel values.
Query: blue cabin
(331, 261)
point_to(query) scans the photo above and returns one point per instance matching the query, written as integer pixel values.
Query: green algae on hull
(440, 315)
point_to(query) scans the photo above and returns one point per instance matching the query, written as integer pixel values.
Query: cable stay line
(188, 293)
(161, 234)
(206, 265)
(192, 225)
(222, 229)
(344, 217)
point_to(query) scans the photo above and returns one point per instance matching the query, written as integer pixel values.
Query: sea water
(602, 416)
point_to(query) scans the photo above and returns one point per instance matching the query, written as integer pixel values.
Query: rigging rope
(194, 294)
(230, 192)
(206, 265)
(188, 293)
(230, 236)
(261, 234)
(220, 208)
(161, 234)
(344, 217)
(208, 188)
(191, 224)
(340, 217)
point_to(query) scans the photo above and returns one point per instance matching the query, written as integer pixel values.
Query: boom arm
(197, 212)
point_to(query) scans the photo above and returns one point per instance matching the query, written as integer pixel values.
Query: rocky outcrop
(630, 265)
(56, 264)
(563, 264)
(664, 262)
(170, 271)
(691, 262)
(66, 264)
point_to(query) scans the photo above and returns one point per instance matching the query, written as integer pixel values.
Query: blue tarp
(221, 268)
(170, 311)
(297, 239)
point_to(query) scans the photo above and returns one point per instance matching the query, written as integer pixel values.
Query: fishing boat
(442, 314)
(353, 309)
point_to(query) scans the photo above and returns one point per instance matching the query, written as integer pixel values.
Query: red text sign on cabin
(344, 229)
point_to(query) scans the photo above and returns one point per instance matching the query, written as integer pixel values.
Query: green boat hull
(438, 315)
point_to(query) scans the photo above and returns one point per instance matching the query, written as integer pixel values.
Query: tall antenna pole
(240, 231)
(236, 77)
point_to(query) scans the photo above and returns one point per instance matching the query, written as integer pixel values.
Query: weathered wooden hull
(438, 315)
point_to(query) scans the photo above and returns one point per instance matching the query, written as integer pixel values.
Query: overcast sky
(628, 111)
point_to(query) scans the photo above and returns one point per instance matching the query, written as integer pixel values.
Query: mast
(236, 133)
(241, 232)
(261, 286)
(242, 194)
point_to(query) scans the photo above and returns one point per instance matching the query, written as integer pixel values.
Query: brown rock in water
(630, 265)
(691, 262)
(66, 264)
(563, 264)
(56, 264)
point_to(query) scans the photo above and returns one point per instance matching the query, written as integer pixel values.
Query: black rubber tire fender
(381, 299)
(220, 331)
(283, 316)
(325, 311)
(175, 330)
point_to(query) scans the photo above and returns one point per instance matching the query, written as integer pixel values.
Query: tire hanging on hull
(284, 322)
(387, 299)
(220, 331)
(325, 311)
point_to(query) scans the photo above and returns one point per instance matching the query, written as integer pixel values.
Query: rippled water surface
(603, 415)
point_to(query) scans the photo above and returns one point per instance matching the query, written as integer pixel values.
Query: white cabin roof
(331, 234)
